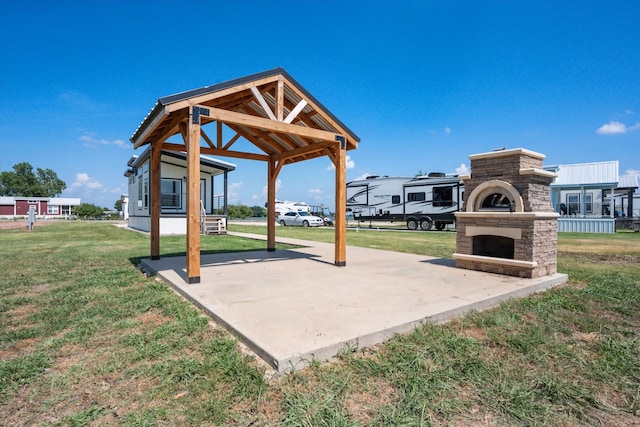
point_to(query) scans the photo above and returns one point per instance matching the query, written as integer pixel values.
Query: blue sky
(424, 84)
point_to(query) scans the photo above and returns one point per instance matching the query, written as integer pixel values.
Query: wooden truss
(283, 123)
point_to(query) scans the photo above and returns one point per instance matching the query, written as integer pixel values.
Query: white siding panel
(582, 225)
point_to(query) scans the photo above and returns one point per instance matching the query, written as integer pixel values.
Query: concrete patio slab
(293, 306)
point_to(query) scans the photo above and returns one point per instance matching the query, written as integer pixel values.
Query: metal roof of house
(628, 181)
(206, 161)
(600, 174)
(60, 201)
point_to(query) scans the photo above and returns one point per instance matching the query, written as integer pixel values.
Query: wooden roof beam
(296, 110)
(302, 151)
(149, 129)
(265, 134)
(266, 124)
(280, 99)
(202, 99)
(254, 139)
(217, 152)
(206, 138)
(263, 103)
(169, 129)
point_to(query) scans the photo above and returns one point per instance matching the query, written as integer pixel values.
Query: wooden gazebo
(283, 123)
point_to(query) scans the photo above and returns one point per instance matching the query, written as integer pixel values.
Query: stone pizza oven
(508, 225)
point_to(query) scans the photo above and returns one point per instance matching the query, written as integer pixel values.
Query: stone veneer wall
(535, 248)
(534, 190)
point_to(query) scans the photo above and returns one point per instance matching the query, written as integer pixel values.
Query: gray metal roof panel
(628, 181)
(599, 173)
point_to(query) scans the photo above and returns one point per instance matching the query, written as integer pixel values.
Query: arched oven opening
(493, 246)
(497, 202)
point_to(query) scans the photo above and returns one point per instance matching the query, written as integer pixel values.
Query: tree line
(23, 181)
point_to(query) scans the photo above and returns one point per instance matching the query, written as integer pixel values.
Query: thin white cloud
(90, 190)
(614, 128)
(446, 130)
(462, 169)
(85, 183)
(90, 141)
(632, 172)
(350, 164)
(77, 100)
(363, 176)
(265, 190)
(233, 190)
(316, 195)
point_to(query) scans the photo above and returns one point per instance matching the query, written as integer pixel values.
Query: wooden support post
(341, 202)
(193, 196)
(154, 181)
(271, 204)
(280, 100)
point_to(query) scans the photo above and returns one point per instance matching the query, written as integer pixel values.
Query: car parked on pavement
(303, 219)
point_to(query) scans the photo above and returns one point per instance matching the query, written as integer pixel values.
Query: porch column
(193, 195)
(630, 204)
(583, 196)
(612, 204)
(154, 183)
(225, 195)
(272, 175)
(341, 202)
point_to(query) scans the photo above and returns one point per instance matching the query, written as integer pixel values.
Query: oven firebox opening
(493, 246)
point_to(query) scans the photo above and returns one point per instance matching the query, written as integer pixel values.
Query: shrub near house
(88, 210)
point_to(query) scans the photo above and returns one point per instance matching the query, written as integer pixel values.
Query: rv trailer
(284, 206)
(421, 202)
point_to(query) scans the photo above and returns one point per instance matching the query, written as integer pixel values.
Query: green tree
(239, 211)
(88, 210)
(118, 205)
(258, 211)
(23, 182)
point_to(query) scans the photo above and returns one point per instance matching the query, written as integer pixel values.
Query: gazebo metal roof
(237, 102)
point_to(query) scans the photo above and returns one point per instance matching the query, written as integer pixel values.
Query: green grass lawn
(87, 339)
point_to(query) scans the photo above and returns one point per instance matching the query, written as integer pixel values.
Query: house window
(66, 210)
(143, 186)
(139, 194)
(442, 196)
(52, 210)
(416, 197)
(146, 192)
(171, 193)
(588, 203)
(573, 203)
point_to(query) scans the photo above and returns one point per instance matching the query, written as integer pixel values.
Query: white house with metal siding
(585, 196)
(173, 206)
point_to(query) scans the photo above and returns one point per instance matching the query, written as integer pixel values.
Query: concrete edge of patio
(284, 362)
